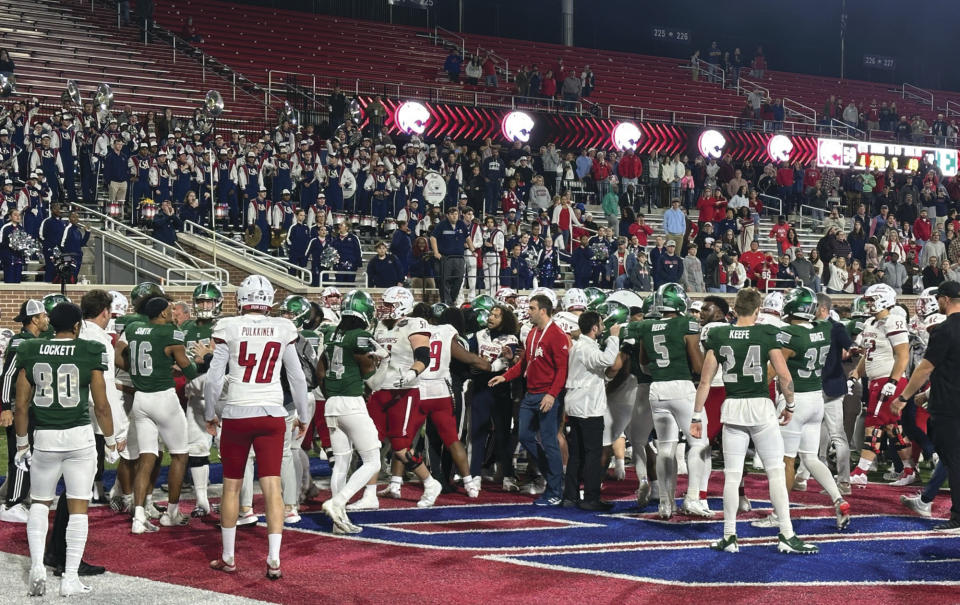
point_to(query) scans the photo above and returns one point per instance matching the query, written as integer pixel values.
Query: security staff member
(941, 365)
(449, 239)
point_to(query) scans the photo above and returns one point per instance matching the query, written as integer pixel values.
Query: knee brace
(410, 460)
(875, 435)
(195, 461)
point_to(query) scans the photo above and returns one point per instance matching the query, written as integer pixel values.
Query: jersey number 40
(265, 366)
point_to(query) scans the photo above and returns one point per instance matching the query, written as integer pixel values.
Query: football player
(886, 353)
(641, 417)
(198, 333)
(149, 353)
(670, 347)
(56, 379)
(249, 349)
(742, 351)
(771, 310)
(805, 347)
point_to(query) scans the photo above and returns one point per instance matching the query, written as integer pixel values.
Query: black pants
(18, 480)
(496, 405)
(944, 431)
(585, 444)
(452, 271)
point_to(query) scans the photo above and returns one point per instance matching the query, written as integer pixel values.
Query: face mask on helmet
(926, 304)
(574, 299)
(207, 301)
(396, 302)
(506, 296)
(879, 297)
(118, 304)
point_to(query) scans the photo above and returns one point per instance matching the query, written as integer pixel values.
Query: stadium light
(517, 126)
(711, 144)
(412, 117)
(625, 136)
(779, 148)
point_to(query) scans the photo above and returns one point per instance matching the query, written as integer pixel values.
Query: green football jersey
(121, 323)
(196, 331)
(742, 353)
(59, 371)
(665, 346)
(343, 377)
(631, 333)
(313, 338)
(810, 346)
(854, 326)
(151, 369)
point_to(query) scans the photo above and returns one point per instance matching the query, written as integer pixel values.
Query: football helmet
(671, 298)
(613, 313)
(523, 307)
(879, 297)
(800, 303)
(483, 302)
(331, 297)
(595, 296)
(649, 309)
(118, 304)
(506, 296)
(548, 293)
(255, 293)
(480, 316)
(438, 309)
(297, 309)
(926, 304)
(358, 303)
(772, 303)
(145, 290)
(207, 291)
(858, 308)
(52, 300)
(574, 299)
(628, 298)
(395, 303)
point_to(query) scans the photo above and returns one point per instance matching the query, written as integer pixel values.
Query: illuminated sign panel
(861, 155)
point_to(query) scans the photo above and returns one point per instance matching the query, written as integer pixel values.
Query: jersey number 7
(268, 361)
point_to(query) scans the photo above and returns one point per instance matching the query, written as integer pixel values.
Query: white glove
(850, 383)
(379, 351)
(110, 455)
(22, 459)
(888, 390)
(406, 378)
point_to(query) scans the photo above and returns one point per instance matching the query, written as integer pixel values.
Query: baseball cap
(463, 196)
(950, 289)
(263, 188)
(671, 242)
(8, 182)
(143, 145)
(45, 136)
(162, 152)
(4, 132)
(321, 196)
(285, 192)
(28, 309)
(697, 305)
(251, 154)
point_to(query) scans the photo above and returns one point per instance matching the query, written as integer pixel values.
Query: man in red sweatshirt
(629, 169)
(785, 182)
(544, 364)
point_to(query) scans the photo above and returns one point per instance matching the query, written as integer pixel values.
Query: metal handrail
(171, 253)
(951, 108)
(924, 97)
(123, 260)
(278, 264)
(270, 72)
(769, 200)
(752, 87)
(813, 220)
(795, 107)
(463, 42)
(841, 128)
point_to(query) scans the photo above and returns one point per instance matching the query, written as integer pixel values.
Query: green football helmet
(207, 291)
(800, 303)
(483, 302)
(358, 303)
(671, 298)
(298, 308)
(595, 297)
(613, 313)
(438, 309)
(649, 311)
(52, 300)
(145, 290)
(480, 319)
(859, 308)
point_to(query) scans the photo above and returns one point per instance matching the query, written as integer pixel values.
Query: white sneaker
(392, 490)
(247, 518)
(338, 515)
(178, 520)
(472, 487)
(430, 493)
(291, 517)
(510, 485)
(38, 581)
(143, 527)
(694, 508)
(906, 478)
(17, 513)
(800, 486)
(858, 479)
(768, 521)
(72, 586)
(365, 503)
(914, 503)
(151, 511)
(744, 506)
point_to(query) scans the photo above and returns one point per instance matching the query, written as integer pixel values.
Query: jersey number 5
(271, 352)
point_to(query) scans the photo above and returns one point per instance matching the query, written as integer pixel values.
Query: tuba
(8, 85)
(102, 98)
(211, 108)
(73, 93)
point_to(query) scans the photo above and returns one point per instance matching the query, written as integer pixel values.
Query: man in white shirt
(585, 403)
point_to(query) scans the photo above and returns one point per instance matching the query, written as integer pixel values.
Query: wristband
(791, 405)
(892, 380)
(696, 420)
(110, 441)
(23, 442)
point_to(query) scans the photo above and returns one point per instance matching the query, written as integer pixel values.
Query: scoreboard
(862, 155)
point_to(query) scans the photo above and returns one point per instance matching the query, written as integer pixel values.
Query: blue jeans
(530, 422)
(719, 290)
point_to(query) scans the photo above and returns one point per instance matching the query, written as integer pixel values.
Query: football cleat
(859, 479)
(199, 511)
(695, 508)
(73, 586)
(768, 521)
(914, 503)
(365, 503)
(338, 515)
(726, 544)
(392, 490)
(643, 493)
(665, 509)
(908, 477)
(273, 570)
(291, 517)
(152, 511)
(247, 518)
(472, 487)
(744, 506)
(221, 565)
(38, 581)
(844, 488)
(510, 485)
(800, 486)
(178, 520)
(430, 493)
(892, 475)
(120, 504)
(842, 507)
(795, 546)
(347, 528)
(143, 527)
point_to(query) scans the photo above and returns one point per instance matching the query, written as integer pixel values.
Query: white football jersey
(718, 377)
(401, 353)
(492, 348)
(878, 339)
(920, 335)
(567, 322)
(435, 380)
(768, 319)
(525, 328)
(256, 344)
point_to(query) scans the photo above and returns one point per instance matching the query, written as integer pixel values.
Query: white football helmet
(5, 336)
(574, 299)
(926, 304)
(506, 296)
(548, 293)
(523, 307)
(627, 298)
(119, 304)
(879, 297)
(395, 303)
(696, 306)
(773, 303)
(331, 297)
(255, 293)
